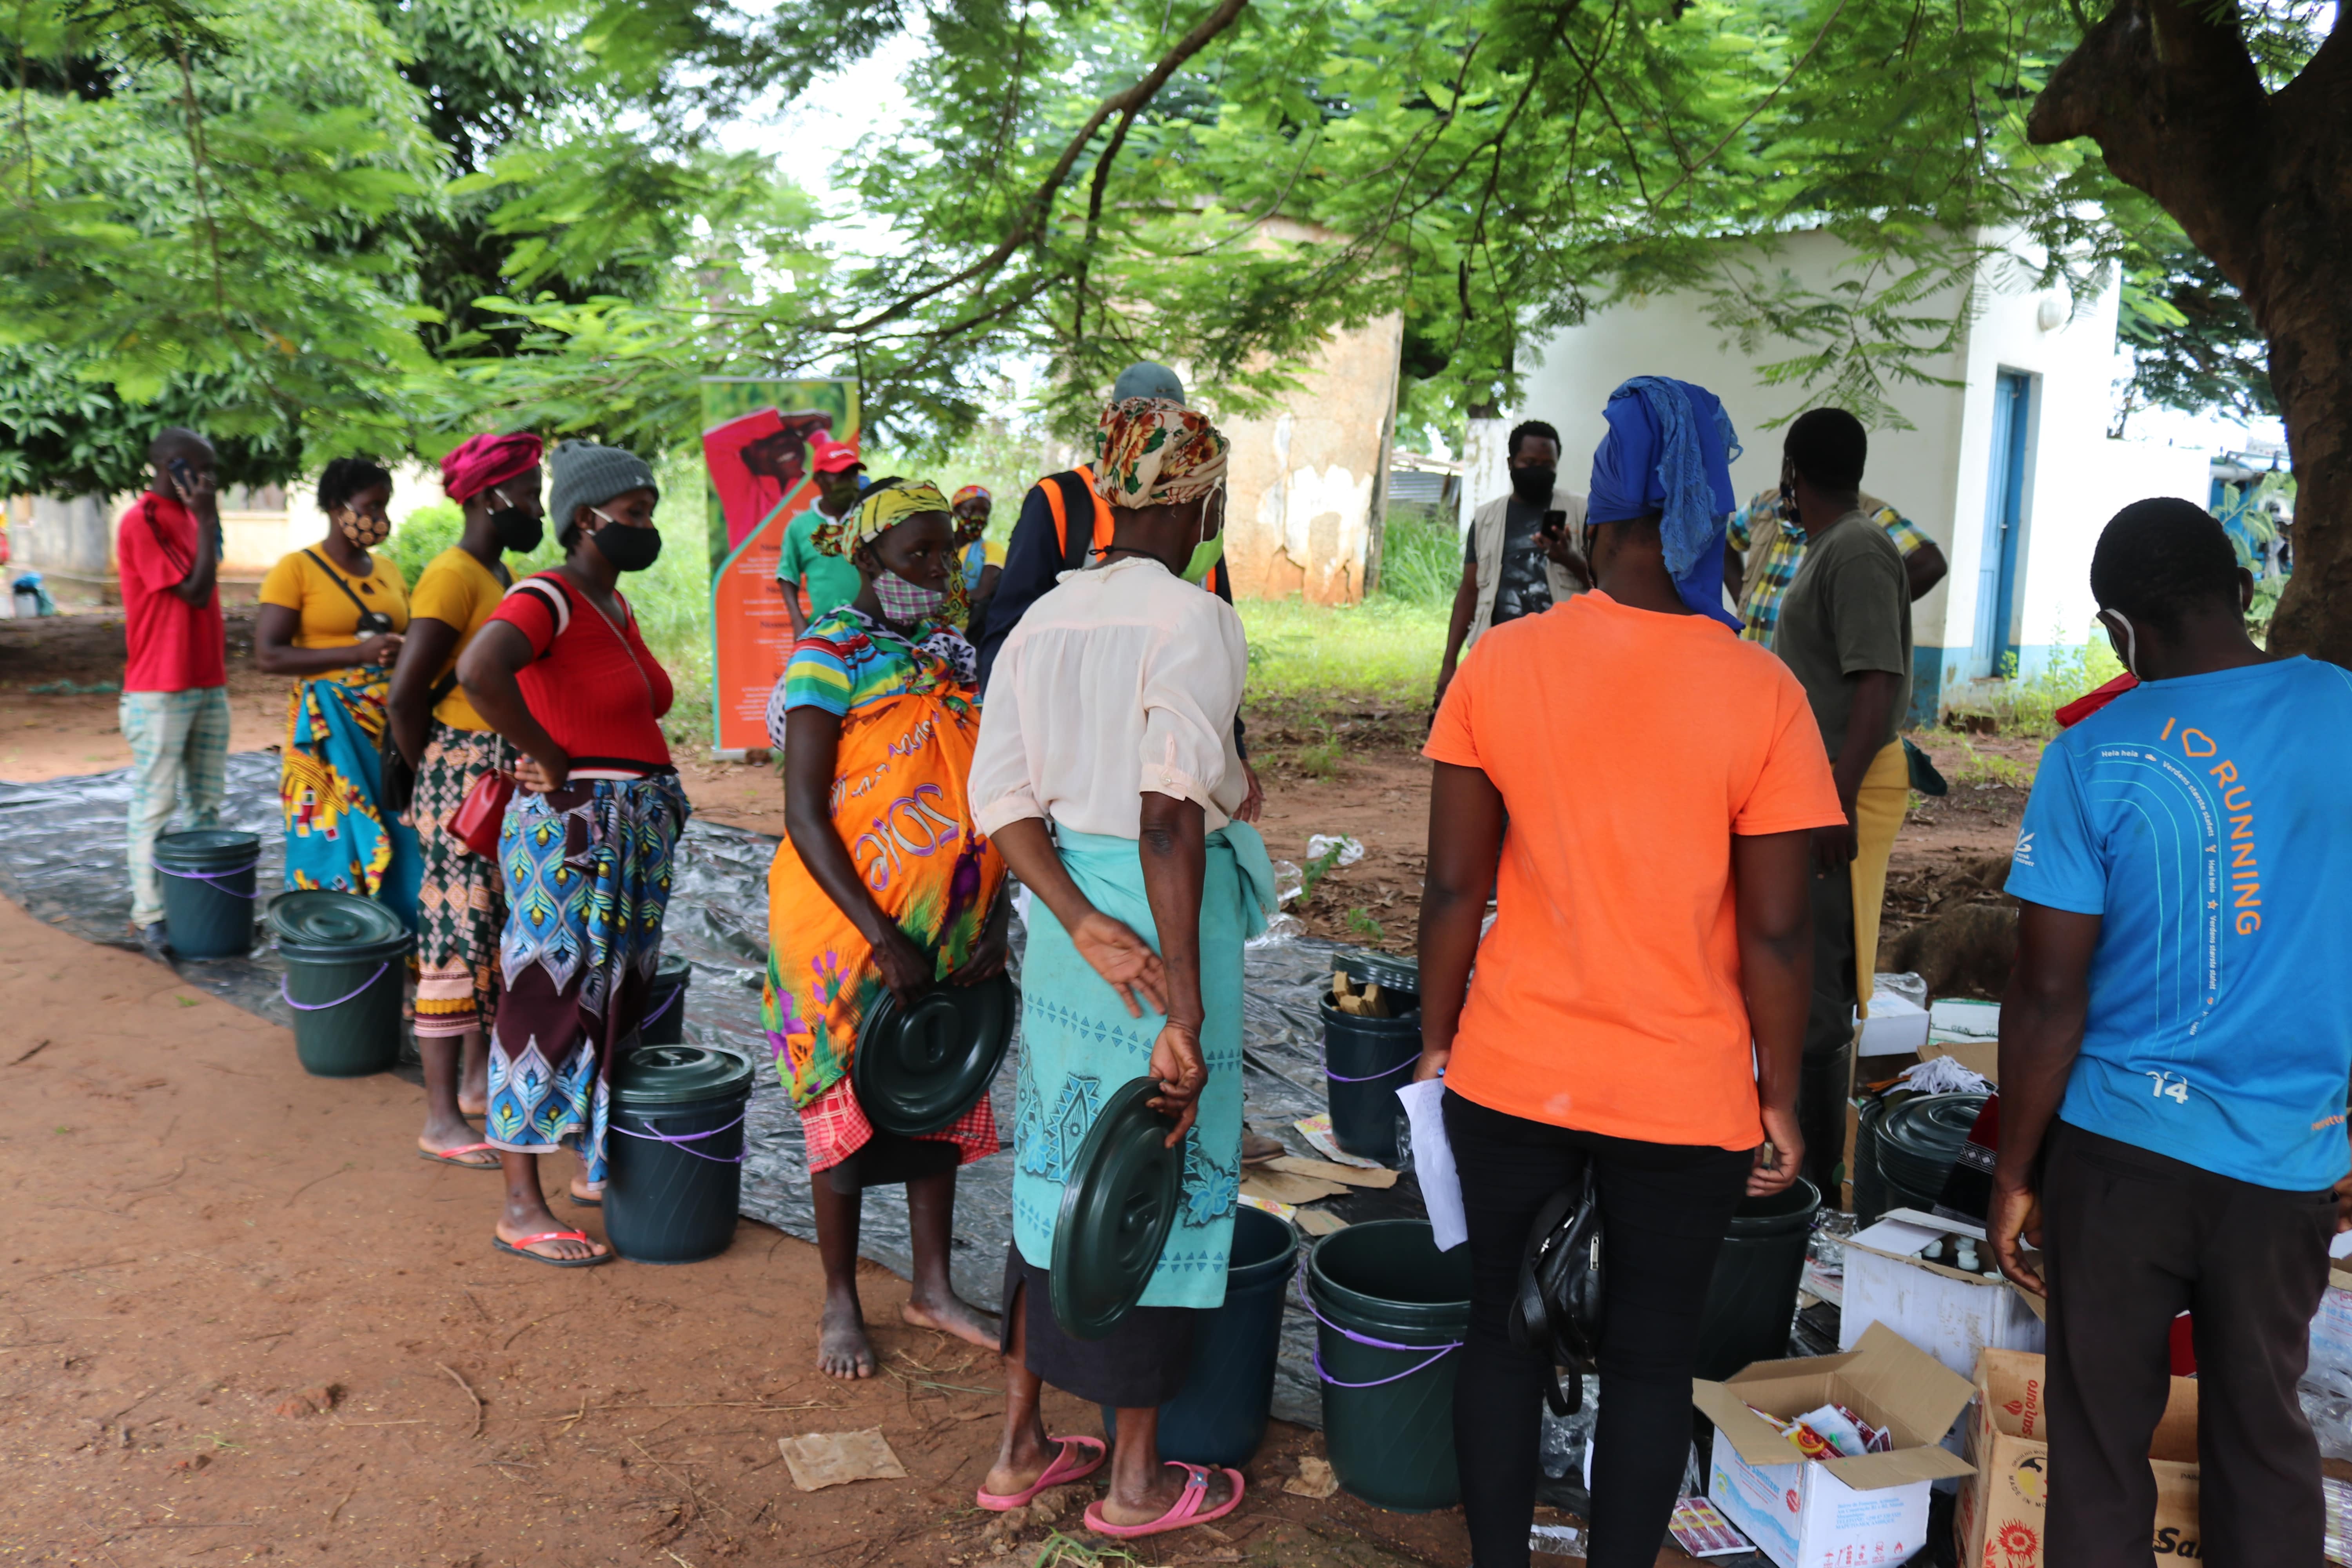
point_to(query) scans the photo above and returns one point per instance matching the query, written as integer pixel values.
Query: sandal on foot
(449, 1156)
(1063, 1471)
(580, 1203)
(523, 1249)
(1185, 1511)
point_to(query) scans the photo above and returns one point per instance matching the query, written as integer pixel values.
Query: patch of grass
(1361, 924)
(1382, 652)
(1320, 759)
(1420, 559)
(2028, 705)
(1976, 767)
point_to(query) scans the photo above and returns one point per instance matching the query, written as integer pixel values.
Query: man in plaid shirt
(1773, 550)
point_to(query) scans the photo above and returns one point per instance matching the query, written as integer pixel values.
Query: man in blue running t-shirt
(2174, 1047)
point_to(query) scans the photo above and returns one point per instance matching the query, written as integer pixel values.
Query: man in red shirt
(174, 709)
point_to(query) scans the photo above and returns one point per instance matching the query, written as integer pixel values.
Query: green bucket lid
(673, 970)
(1117, 1209)
(208, 850)
(921, 1065)
(653, 1076)
(319, 924)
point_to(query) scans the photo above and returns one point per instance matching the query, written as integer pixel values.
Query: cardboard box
(1952, 1316)
(1824, 1513)
(1897, 1027)
(2003, 1512)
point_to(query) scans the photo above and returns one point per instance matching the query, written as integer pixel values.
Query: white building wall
(1938, 472)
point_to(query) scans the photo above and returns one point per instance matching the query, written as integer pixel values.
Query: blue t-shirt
(2205, 818)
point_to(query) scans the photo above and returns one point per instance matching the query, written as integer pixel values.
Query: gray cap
(583, 473)
(1145, 378)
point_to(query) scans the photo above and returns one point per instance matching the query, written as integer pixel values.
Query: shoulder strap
(337, 578)
(1060, 515)
(558, 602)
(1066, 493)
(171, 554)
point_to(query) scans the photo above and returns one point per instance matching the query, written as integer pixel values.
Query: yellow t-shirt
(306, 583)
(459, 590)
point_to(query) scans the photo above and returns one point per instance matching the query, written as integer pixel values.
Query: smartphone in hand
(1555, 523)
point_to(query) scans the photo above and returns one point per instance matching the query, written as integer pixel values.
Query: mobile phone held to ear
(185, 477)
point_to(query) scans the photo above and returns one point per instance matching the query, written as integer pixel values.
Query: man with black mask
(1512, 565)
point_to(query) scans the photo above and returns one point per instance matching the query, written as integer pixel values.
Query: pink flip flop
(1183, 1513)
(1063, 1471)
(449, 1156)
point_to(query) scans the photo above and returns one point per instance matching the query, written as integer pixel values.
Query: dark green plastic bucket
(664, 1020)
(344, 976)
(1392, 1313)
(1219, 1417)
(673, 1153)
(207, 875)
(1365, 1062)
(1752, 1298)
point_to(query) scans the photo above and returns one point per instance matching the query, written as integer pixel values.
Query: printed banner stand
(755, 433)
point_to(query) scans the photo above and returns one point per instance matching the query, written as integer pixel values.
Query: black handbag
(1558, 1311)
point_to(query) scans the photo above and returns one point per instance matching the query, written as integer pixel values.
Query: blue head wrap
(1669, 452)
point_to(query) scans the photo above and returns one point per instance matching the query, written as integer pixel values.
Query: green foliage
(2192, 338)
(1362, 926)
(422, 534)
(1379, 652)
(1421, 558)
(2029, 705)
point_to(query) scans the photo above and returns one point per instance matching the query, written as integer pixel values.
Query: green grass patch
(1381, 652)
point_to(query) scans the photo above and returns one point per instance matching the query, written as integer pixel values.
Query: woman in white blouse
(1106, 776)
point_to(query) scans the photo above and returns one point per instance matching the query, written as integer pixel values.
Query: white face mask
(2131, 640)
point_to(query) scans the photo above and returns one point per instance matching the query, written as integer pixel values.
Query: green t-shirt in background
(824, 582)
(1849, 610)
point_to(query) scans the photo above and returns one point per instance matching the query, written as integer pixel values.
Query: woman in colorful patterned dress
(333, 614)
(461, 908)
(562, 672)
(881, 881)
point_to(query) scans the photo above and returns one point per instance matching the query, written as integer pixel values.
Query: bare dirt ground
(239, 1319)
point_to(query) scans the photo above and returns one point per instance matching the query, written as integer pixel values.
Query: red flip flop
(447, 1156)
(1185, 1511)
(523, 1248)
(1063, 1471)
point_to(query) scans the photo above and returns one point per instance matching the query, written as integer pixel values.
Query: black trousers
(1822, 1081)
(1664, 1208)
(2134, 1240)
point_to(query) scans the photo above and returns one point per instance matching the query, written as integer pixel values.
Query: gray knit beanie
(586, 474)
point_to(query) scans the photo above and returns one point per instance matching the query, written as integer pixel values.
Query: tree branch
(1129, 103)
(2171, 95)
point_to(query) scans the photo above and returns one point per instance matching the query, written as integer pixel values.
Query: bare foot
(1121, 1507)
(950, 1314)
(512, 1235)
(843, 1351)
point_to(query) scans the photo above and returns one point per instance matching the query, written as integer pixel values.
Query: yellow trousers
(1878, 808)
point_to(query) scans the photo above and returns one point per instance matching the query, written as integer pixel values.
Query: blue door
(1998, 568)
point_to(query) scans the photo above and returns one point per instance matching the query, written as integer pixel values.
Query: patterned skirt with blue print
(587, 872)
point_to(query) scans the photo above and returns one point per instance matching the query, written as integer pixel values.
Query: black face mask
(1534, 486)
(628, 549)
(517, 529)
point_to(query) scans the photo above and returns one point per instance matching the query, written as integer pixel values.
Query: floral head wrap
(1151, 451)
(970, 492)
(880, 509)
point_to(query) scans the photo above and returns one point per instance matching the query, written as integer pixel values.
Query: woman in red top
(563, 674)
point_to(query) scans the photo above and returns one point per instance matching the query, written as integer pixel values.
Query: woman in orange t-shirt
(1660, 779)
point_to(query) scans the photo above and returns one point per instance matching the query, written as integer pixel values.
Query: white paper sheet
(1433, 1163)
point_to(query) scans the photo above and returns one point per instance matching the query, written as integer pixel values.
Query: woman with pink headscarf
(462, 905)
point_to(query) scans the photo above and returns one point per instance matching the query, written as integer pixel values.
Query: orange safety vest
(1074, 551)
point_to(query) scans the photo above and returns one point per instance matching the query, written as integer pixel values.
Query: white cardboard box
(1951, 1315)
(1872, 1507)
(1897, 1027)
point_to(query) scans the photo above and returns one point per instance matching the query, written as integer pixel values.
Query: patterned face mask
(907, 603)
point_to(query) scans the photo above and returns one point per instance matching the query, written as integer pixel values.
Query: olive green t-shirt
(1849, 610)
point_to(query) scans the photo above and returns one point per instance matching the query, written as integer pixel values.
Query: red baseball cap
(827, 455)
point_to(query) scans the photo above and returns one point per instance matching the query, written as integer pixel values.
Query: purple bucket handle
(287, 997)
(667, 1003)
(1443, 1350)
(214, 876)
(680, 1141)
(1369, 1077)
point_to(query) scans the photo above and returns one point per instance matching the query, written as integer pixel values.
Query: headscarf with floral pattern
(1151, 451)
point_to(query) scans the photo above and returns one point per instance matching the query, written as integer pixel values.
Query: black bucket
(664, 1020)
(208, 890)
(673, 1153)
(345, 972)
(1752, 1297)
(1219, 1417)
(1919, 1141)
(1365, 1062)
(1392, 1311)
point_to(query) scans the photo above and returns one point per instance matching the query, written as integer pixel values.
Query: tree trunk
(2262, 183)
